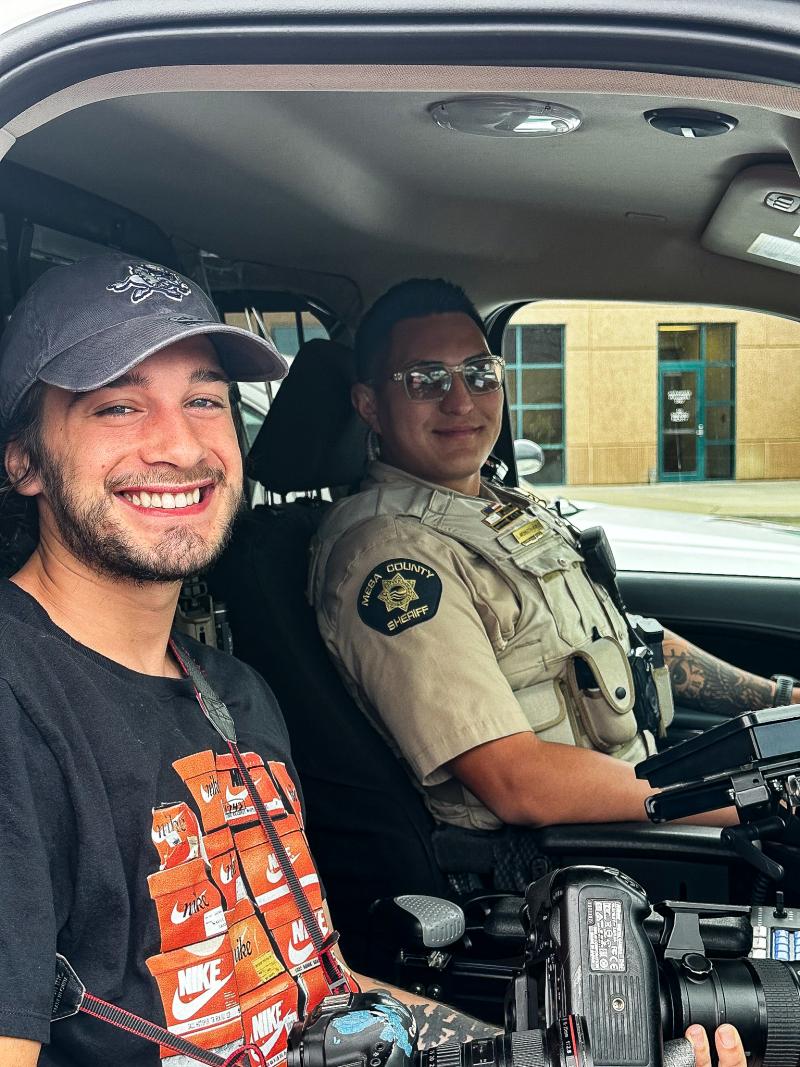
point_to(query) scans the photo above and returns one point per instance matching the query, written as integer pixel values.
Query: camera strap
(221, 719)
(70, 996)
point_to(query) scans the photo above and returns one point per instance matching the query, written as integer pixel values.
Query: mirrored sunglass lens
(483, 376)
(424, 384)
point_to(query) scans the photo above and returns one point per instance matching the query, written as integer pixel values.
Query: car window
(288, 330)
(676, 427)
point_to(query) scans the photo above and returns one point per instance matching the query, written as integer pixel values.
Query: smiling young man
(461, 615)
(135, 840)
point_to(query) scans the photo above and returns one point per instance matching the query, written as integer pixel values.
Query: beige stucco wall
(611, 387)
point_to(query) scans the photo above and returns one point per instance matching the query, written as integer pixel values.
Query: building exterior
(629, 393)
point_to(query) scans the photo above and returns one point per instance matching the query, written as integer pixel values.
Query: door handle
(701, 430)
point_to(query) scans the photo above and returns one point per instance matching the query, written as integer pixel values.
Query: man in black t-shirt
(127, 828)
(128, 831)
(114, 402)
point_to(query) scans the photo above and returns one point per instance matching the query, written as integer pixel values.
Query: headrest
(312, 438)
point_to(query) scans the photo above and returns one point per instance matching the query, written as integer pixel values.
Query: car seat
(369, 827)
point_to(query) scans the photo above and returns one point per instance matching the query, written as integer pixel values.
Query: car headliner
(326, 173)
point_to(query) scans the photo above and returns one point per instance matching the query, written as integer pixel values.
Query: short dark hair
(413, 299)
(19, 515)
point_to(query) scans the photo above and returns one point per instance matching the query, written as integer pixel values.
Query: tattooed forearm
(437, 1024)
(700, 680)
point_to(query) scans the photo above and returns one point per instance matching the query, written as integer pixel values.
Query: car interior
(302, 161)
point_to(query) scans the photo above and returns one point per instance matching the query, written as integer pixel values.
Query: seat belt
(220, 718)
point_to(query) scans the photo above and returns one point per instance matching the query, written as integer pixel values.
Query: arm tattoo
(700, 680)
(436, 1024)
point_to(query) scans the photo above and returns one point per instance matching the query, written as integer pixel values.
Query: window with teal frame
(697, 364)
(534, 358)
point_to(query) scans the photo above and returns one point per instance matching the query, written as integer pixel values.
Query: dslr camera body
(617, 983)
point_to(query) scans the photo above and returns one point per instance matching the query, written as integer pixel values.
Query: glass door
(681, 436)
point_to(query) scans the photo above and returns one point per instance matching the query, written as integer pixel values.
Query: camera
(617, 979)
(610, 981)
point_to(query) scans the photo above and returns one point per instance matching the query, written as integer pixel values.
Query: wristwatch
(784, 684)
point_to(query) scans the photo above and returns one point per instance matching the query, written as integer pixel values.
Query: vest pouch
(545, 709)
(549, 561)
(606, 709)
(452, 803)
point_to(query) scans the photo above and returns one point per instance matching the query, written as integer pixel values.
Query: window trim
(516, 407)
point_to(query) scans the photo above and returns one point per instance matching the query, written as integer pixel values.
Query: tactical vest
(564, 617)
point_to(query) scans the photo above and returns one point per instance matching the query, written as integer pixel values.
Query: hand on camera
(728, 1042)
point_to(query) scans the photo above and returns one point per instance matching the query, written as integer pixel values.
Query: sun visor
(758, 218)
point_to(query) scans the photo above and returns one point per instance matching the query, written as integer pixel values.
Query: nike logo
(283, 890)
(274, 872)
(299, 955)
(208, 792)
(185, 1009)
(182, 912)
(271, 1042)
(235, 798)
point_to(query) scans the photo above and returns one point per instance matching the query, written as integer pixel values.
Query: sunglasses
(432, 381)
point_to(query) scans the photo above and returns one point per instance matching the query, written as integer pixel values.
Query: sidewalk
(768, 501)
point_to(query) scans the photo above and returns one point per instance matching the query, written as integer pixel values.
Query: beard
(100, 543)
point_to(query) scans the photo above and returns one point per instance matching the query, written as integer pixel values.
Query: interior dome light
(495, 116)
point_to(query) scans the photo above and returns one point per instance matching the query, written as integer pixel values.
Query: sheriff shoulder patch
(399, 594)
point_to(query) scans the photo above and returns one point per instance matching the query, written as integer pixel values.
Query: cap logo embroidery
(147, 279)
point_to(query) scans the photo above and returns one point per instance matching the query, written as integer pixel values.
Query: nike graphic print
(205, 975)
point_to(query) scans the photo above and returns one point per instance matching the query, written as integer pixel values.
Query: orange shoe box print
(316, 987)
(268, 1013)
(284, 780)
(199, 993)
(298, 953)
(268, 885)
(199, 772)
(236, 802)
(188, 904)
(295, 945)
(253, 955)
(175, 833)
(224, 864)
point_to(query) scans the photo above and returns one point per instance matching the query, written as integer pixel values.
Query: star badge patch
(399, 594)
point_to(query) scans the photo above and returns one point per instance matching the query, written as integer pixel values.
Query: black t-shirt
(86, 753)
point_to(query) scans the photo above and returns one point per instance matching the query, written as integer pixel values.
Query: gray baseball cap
(83, 325)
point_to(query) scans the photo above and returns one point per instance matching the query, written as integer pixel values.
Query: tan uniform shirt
(447, 645)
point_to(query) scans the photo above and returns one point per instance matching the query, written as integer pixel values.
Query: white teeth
(170, 501)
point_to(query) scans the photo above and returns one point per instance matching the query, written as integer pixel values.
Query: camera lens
(564, 1044)
(761, 998)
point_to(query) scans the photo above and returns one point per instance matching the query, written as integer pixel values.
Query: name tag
(529, 532)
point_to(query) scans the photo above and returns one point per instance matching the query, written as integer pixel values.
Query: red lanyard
(220, 718)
